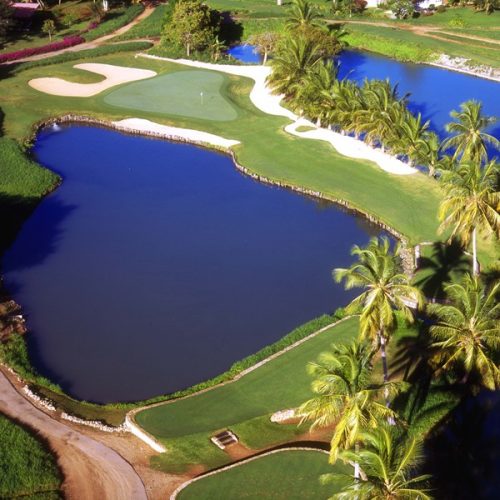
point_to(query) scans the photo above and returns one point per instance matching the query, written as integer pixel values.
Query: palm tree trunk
(384, 357)
(475, 267)
(356, 464)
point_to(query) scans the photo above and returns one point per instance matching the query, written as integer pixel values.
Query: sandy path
(94, 43)
(91, 469)
(114, 75)
(269, 103)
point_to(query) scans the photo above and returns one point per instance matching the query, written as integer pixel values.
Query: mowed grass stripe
(287, 475)
(281, 383)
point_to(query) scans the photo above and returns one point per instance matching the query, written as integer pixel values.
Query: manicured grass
(280, 383)
(287, 475)
(407, 203)
(405, 45)
(27, 468)
(470, 17)
(148, 28)
(193, 94)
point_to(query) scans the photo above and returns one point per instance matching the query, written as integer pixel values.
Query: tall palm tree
(429, 153)
(302, 14)
(469, 139)
(389, 461)
(295, 58)
(386, 289)
(344, 395)
(471, 204)
(412, 133)
(467, 330)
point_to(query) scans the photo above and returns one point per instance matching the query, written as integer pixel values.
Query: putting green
(283, 475)
(194, 94)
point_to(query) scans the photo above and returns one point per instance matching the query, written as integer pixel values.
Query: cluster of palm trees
(463, 348)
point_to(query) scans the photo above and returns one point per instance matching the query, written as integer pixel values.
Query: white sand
(114, 75)
(264, 100)
(194, 136)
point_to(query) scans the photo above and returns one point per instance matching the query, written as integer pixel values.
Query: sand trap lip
(269, 103)
(114, 75)
(152, 128)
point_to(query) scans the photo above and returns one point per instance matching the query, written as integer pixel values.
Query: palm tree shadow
(446, 263)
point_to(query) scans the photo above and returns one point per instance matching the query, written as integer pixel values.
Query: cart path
(91, 469)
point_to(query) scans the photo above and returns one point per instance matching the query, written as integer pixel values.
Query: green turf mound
(194, 94)
(284, 475)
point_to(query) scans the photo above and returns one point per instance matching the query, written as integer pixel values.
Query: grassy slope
(26, 467)
(382, 39)
(148, 28)
(290, 475)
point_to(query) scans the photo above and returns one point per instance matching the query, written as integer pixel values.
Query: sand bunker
(266, 101)
(114, 75)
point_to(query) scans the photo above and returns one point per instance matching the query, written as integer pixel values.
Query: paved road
(91, 469)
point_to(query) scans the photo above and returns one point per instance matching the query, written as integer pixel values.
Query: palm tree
(302, 14)
(412, 134)
(471, 204)
(467, 330)
(387, 289)
(344, 396)
(295, 58)
(469, 139)
(316, 95)
(389, 461)
(429, 153)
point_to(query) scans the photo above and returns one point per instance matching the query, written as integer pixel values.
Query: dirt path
(94, 43)
(91, 469)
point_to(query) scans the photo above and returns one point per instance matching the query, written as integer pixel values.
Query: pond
(140, 277)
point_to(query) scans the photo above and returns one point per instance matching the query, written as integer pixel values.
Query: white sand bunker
(114, 75)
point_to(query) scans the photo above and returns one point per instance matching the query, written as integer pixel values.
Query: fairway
(193, 94)
(280, 383)
(288, 474)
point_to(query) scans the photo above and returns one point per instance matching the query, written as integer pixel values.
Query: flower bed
(33, 51)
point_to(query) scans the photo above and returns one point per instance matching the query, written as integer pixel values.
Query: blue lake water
(245, 53)
(156, 265)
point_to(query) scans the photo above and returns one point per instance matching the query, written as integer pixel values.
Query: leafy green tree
(469, 139)
(389, 460)
(217, 47)
(6, 13)
(471, 204)
(344, 396)
(265, 43)
(466, 335)
(49, 28)
(192, 26)
(403, 9)
(429, 154)
(386, 289)
(412, 134)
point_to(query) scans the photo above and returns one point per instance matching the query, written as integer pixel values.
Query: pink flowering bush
(69, 41)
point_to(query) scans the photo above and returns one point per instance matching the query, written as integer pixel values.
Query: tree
(429, 153)
(412, 134)
(387, 289)
(6, 13)
(302, 14)
(469, 138)
(294, 58)
(191, 26)
(217, 47)
(265, 43)
(403, 9)
(389, 461)
(49, 28)
(466, 334)
(344, 396)
(471, 204)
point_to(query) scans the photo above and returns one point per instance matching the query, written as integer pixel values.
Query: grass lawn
(194, 94)
(147, 28)
(287, 475)
(27, 468)
(383, 39)
(407, 203)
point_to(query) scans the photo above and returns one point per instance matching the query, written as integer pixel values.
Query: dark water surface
(156, 265)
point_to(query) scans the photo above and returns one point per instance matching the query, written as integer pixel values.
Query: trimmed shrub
(50, 47)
